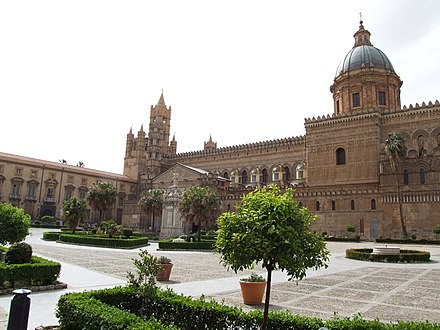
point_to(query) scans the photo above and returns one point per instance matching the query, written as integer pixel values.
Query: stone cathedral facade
(338, 169)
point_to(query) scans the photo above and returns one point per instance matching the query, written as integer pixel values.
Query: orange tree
(14, 224)
(270, 228)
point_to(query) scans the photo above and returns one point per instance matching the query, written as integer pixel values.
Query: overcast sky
(76, 75)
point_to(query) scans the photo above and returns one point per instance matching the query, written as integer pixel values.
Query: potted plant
(252, 289)
(166, 265)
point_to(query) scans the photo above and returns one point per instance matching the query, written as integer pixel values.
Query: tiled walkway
(389, 292)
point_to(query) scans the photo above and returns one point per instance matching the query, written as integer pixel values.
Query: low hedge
(342, 239)
(407, 241)
(102, 241)
(39, 272)
(405, 256)
(80, 311)
(203, 245)
(121, 308)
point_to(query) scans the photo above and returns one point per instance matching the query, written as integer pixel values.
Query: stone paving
(389, 292)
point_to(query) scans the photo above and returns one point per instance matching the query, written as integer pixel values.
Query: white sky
(76, 75)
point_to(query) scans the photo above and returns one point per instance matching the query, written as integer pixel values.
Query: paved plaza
(389, 292)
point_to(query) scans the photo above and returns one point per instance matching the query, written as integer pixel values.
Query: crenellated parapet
(277, 143)
(426, 108)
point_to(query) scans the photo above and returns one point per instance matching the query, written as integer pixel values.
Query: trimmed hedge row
(39, 272)
(104, 241)
(407, 241)
(203, 245)
(79, 311)
(187, 313)
(342, 239)
(405, 256)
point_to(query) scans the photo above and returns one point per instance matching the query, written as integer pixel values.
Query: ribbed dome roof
(363, 54)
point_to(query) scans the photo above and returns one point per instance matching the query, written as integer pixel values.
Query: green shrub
(104, 241)
(127, 232)
(19, 253)
(47, 218)
(406, 241)
(14, 224)
(39, 272)
(203, 245)
(51, 235)
(82, 312)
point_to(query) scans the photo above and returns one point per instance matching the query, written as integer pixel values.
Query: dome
(364, 56)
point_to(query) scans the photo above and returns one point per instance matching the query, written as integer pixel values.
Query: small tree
(272, 229)
(351, 229)
(110, 228)
(74, 212)
(14, 224)
(101, 196)
(147, 267)
(200, 205)
(152, 201)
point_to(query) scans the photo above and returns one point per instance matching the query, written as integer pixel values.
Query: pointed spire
(131, 130)
(161, 99)
(210, 137)
(142, 128)
(362, 36)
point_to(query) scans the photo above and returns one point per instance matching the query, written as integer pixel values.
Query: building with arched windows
(338, 169)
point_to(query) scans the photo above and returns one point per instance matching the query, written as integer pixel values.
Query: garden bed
(405, 256)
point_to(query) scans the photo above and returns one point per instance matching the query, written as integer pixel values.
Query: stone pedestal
(171, 223)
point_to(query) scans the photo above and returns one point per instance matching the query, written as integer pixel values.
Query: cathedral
(338, 169)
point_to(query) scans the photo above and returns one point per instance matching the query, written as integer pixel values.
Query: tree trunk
(399, 200)
(267, 300)
(199, 229)
(152, 221)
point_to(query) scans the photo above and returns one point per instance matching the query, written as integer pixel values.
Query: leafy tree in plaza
(199, 205)
(74, 212)
(14, 224)
(395, 149)
(102, 196)
(270, 228)
(152, 201)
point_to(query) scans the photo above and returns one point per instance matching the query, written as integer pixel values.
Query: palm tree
(74, 211)
(395, 149)
(101, 196)
(152, 201)
(199, 205)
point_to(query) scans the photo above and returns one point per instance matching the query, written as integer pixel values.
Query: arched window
(244, 177)
(352, 204)
(300, 204)
(299, 169)
(340, 156)
(422, 176)
(405, 177)
(226, 175)
(286, 174)
(373, 204)
(264, 175)
(333, 205)
(317, 206)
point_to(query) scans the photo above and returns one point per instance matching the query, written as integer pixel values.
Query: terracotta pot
(164, 274)
(252, 292)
